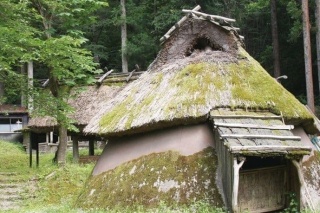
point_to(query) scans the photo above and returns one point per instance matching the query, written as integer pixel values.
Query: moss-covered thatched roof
(188, 80)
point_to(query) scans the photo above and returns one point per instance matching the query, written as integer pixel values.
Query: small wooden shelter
(203, 77)
(12, 119)
(86, 102)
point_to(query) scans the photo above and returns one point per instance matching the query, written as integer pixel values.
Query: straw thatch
(87, 101)
(201, 67)
(6, 109)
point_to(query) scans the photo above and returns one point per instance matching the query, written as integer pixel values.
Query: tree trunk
(60, 157)
(23, 91)
(1, 91)
(30, 86)
(317, 15)
(124, 37)
(307, 54)
(275, 39)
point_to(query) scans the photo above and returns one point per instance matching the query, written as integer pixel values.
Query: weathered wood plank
(207, 16)
(265, 149)
(261, 136)
(247, 116)
(104, 76)
(240, 125)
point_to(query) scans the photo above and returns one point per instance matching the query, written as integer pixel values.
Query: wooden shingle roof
(257, 133)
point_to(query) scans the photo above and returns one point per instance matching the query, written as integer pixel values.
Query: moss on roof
(184, 91)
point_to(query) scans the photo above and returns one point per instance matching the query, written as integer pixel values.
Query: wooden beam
(167, 35)
(260, 137)
(247, 116)
(130, 75)
(235, 190)
(99, 82)
(207, 16)
(254, 126)
(269, 148)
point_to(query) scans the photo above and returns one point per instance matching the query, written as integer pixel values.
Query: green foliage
(293, 205)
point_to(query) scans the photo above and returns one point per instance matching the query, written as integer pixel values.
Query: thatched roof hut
(86, 101)
(195, 72)
(205, 122)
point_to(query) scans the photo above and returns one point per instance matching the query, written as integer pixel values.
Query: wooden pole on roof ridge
(307, 54)
(183, 19)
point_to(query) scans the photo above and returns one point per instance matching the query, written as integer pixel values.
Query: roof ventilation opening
(200, 45)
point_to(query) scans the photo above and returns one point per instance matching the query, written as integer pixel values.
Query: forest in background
(148, 20)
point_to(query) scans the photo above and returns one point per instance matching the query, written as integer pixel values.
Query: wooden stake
(99, 82)
(236, 168)
(167, 35)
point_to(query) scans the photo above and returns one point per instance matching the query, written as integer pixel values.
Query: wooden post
(30, 151)
(304, 194)
(47, 137)
(37, 154)
(307, 54)
(51, 137)
(91, 147)
(236, 168)
(75, 149)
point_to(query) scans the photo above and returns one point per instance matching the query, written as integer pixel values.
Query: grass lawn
(58, 188)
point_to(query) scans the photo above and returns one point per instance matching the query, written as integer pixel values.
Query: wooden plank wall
(225, 160)
(262, 190)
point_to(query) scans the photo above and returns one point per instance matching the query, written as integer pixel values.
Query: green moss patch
(150, 180)
(193, 89)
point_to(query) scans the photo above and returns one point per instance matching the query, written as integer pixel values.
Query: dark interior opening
(258, 162)
(201, 44)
